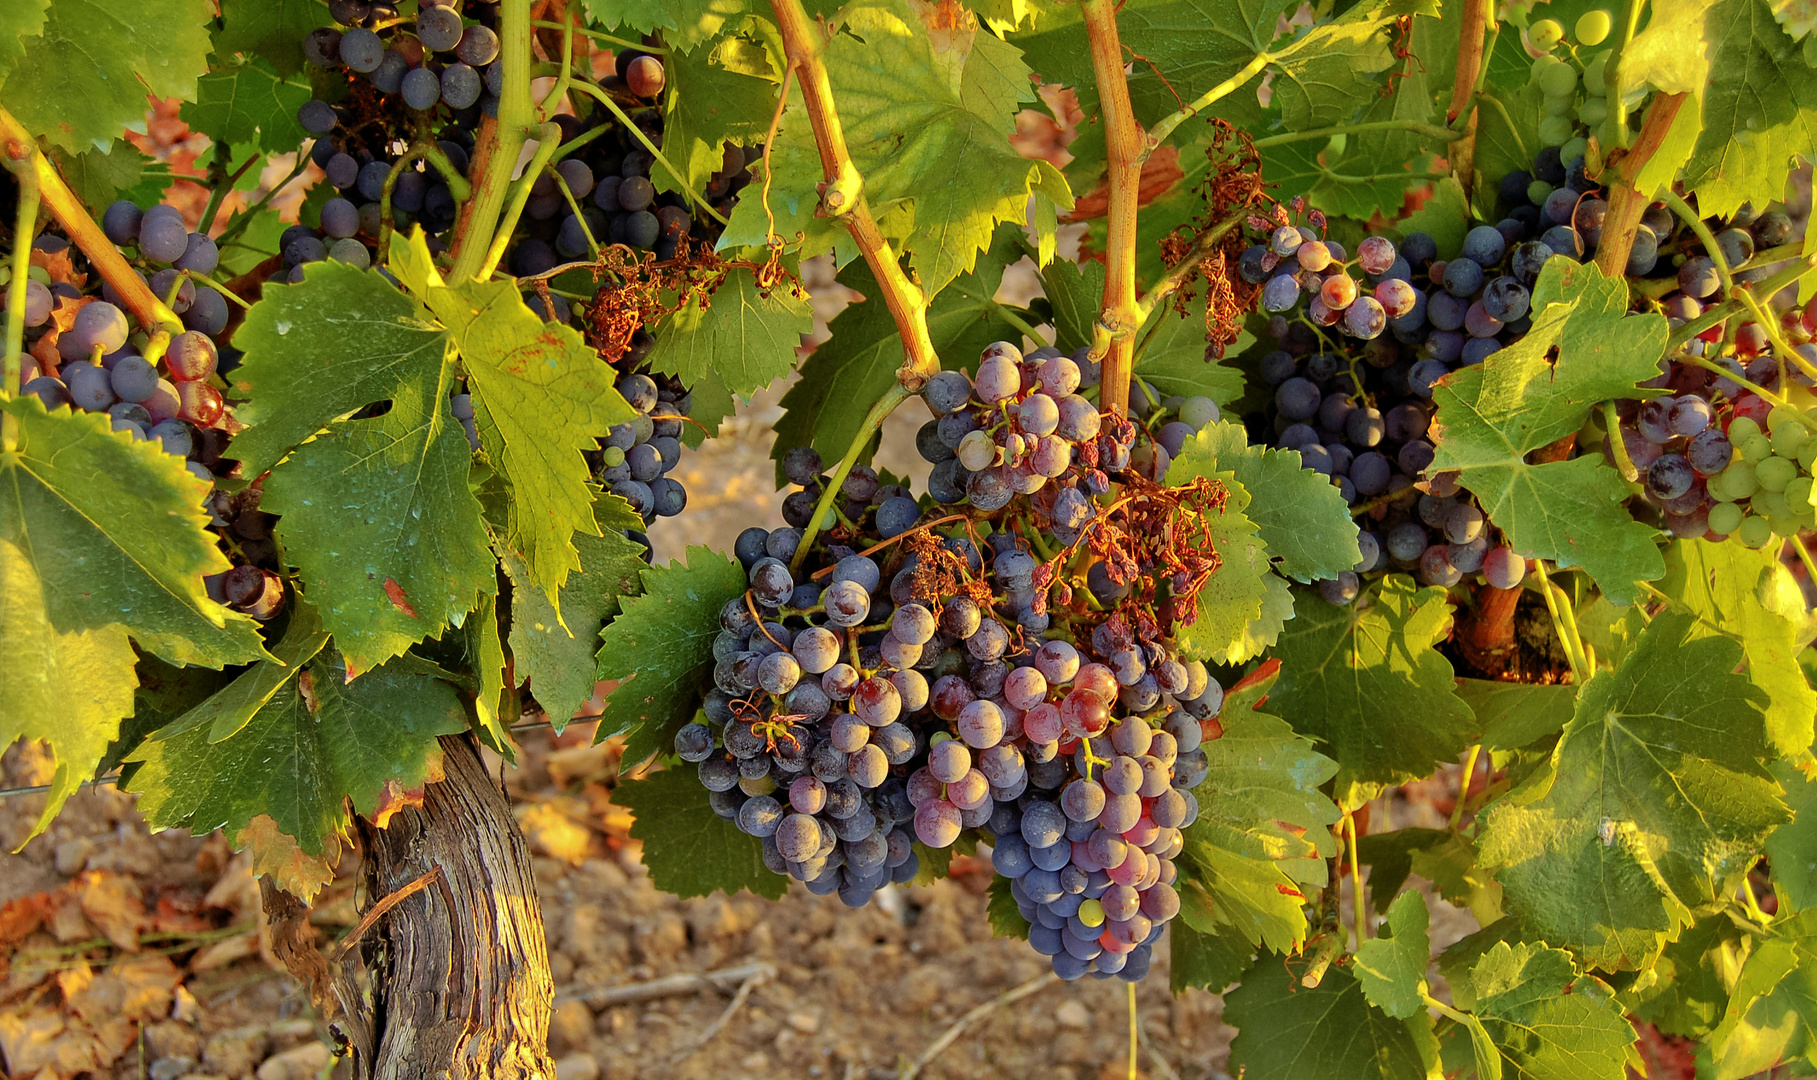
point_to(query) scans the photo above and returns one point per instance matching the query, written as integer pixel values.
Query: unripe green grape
(1789, 439)
(1772, 504)
(1537, 192)
(1558, 105)
(1798, 495)
(1593, 111)
(1593, 27)
(1780, 416)
(1595, 69)
(1554, 130)
(1775, 473)
(1756, 448)
(1091, 913)
(1742, 427)
(1784, 526)
(613, 457)
(1725, 517)
(1546, 33)
(1558, 78)
(1754, 532)
(1739, 480)
(1807, 455)
(1573, 149)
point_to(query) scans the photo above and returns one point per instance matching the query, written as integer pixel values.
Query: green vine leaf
(1770, 1015)
(1492, 415)
(1262, 830)
(1792, 847)
(688, 23)
(1700, 970)
(1513, 715)
(660, 649)
(82, 81)
(1231, 599)
(122, 171)
(1290, 1032)
(20, 22)
(70, 688)
(272, 30)
(380, 522)
(1548, 1023)
(1367, 682)
(1724, 585)
(1652, 803)
(708, 103)
(318, 742)
(1392, 965)
(1004, 916)
(114, 533)
(228, 711)
(745, 335)
(546, 397)
(690, 851)
(917, 111)
(1175, 361)
(337, 341)
(249, 105)
(1207, 961)
(1759, 109)
(1389, 857)
(555, 649)
(1304, 520)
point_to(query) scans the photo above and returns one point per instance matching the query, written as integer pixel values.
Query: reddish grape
(1376, 255)
(645, 76)
(200, 403)
(1396, 297)
(1338, 291)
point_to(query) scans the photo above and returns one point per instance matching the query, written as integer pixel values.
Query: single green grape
(1545, 33)
(1780, 416)
(1725, 517)
(1807, 455)
(1593, 111)
(1742, 427)
(1756, 448)
(1595, 70)
(1573, 149)
(1558, 78)
(1754, 532)
(1554, 130)
(1091, 913)
(1593, 27)
(1784, 526)
(1564, 105)
(1739, 480)
(1537, 192)
(1772, 504)
(613, 456)
(1789, 439)
(1798, 495)
(1775, 473)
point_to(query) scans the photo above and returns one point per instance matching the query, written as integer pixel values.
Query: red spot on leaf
(402, 602)
(1288, 890)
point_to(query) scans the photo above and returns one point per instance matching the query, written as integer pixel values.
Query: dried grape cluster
(922, 672)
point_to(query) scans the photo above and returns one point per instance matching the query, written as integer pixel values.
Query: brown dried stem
(1126, 143)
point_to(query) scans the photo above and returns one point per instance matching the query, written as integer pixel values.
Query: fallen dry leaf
(112, 902)
(555, 833)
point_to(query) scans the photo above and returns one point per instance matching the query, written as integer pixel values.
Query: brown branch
(82, 231)
(1127, 144)
(379, 909)
(1626, 203)
(842, 194)
(1469, 56)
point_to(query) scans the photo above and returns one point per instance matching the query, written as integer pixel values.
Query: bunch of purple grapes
(913, 688)
(175, 399)
(634, 460)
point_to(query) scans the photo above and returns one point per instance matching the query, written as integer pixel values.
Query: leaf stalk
(873, 420)
(516, 122)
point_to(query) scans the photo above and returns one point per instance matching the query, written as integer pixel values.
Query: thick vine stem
(548, 138)
(21, 151)
(1626, 204)
(516, 124)
(842, 196)
(1479, 17)
(1126, 144)
(873, 420)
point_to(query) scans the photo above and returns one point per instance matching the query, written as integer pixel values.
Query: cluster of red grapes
(923, 671)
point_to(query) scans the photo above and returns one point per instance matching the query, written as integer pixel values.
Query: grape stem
(1133, 1029)
(1741, 380)
(515, 124)
(22, 154)
(1356, 880)
(842, 195)
(1328, 947)
(1431, 131)
(1001, 311)
(1782, 348)
(658, 50)
(655, 152)
(561, 182)
(559, 92)
(1626, 203)
(244, 217)
(1564, 623)
(1463, 786)
(12, 383)
(1804, 556)
(1623, 461)
(1126, 146)
(873, 420)
(222, 188)
(548, 138)
(1158, 134)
